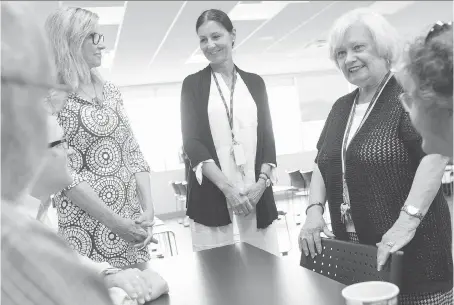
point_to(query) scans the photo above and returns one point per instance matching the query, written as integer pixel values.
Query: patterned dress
(106, 156)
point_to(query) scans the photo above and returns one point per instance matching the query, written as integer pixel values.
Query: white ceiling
(156, 42)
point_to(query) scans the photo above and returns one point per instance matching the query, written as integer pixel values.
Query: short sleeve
(322, 137)
(411, 138)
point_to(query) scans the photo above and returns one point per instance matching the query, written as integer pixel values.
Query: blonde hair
(67, 28)
(384, 35)
(25, 57)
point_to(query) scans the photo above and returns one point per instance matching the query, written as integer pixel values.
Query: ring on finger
(390, 244)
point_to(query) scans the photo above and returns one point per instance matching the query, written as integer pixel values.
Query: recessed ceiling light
(108, 15)
(256, 11)
(389, 7)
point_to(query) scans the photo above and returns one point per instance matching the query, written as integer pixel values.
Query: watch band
(267, 181)
(415, 213)
(267, 176)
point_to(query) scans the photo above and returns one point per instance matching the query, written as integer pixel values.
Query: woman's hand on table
(134, 282)
(146, 221)
(238, 202)
(309, 239)
(254, 192)
(400, 234)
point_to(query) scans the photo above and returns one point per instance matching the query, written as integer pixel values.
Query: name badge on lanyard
(237, 148)
(346, 216)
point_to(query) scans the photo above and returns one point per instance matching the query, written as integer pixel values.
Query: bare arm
(144, 191)
(309, 238)
(85, 198)
(426, 182)
(317, 192)
(212, 172)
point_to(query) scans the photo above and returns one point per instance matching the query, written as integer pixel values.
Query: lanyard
(352, 114)
(232, 90)
(345, 208)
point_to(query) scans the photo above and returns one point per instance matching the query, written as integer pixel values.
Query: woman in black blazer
(230, 145)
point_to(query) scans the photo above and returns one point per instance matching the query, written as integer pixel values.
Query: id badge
(238, 154)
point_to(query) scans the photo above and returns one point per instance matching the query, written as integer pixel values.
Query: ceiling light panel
(389, 7)
(256, 11)
(108, 15)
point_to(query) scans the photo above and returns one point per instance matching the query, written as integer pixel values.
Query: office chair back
(307, 176)
(296, 179)
(175, 188)
(350, 263)
(183, 189)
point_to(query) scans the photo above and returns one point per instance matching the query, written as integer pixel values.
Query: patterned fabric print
(436, 298)
(106, 157)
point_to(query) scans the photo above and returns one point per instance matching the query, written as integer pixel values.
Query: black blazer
(206, 203)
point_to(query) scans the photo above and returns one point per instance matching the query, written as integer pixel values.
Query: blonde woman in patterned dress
(106, 214)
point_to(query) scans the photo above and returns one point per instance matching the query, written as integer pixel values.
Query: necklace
(95, 100)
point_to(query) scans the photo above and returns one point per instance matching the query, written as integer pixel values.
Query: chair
(284, 214)
(296, 179)
(350, 263)
(307, 176)
(183, 189)
(163, 234)
(179, 198)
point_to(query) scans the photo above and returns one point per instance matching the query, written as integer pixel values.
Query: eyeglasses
(438, 28)
(97, 38)
(62, 142)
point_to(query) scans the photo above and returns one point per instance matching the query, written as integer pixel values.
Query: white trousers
(204, 237)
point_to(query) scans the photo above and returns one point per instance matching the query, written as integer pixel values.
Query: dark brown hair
(215, 15)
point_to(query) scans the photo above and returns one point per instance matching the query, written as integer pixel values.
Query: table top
(241, 274)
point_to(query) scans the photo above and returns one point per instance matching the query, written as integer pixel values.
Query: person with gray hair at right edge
(381, 188)
(426, 76)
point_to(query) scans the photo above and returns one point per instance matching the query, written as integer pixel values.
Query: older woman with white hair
(107, 212)
(426, 76)
(380, 186)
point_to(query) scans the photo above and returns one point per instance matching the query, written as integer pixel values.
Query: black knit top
(381, 162)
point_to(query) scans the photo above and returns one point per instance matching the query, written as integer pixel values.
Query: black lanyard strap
(345, 206)
(232, 90)
(352, 114)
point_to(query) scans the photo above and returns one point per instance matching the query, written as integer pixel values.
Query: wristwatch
(267, 180)
(412, 211)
